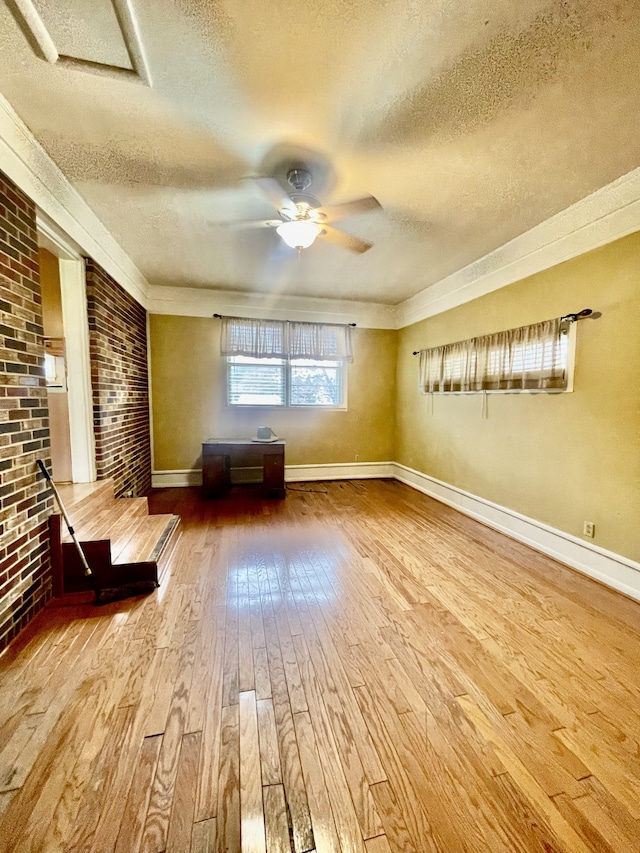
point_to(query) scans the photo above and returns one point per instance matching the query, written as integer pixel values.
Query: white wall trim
(73, 293)
(292, 473)
(178, 478)
(56, 241)
(201, 302)
(339, 471)
(608, 214)
(605, 566)
(29, 166)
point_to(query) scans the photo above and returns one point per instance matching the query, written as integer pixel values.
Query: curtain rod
(227, 317)
(571, 318)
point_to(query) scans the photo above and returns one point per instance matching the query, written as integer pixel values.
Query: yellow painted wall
(561, 459)
(188, 401)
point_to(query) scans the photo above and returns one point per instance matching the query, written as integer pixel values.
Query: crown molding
(51, 237)
(201, 302)
(29, 166)
(608, 214)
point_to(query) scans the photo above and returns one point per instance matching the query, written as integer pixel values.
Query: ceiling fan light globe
(299, 234)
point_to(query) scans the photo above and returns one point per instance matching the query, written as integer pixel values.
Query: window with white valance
(527, 358)
(285, 339)
(281, 363)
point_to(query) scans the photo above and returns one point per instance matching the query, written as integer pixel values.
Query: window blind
(262, 384)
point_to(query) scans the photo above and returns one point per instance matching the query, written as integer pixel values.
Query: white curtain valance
(256, 338)
(528, 358)
(320, 341)
(285, 339)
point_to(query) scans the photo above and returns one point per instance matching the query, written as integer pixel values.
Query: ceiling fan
(302, 218)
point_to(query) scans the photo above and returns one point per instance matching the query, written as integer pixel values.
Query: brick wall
(119, 376)
(25, 504)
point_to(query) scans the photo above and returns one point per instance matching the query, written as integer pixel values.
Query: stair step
(162, 545)
(80, 498)
(123, 544)
(84, 502)
(109, 521)
(144, 541)
(132, 509)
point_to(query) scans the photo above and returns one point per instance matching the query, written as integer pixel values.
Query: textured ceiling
(470, 122)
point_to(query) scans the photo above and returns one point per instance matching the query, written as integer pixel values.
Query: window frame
(338, 364)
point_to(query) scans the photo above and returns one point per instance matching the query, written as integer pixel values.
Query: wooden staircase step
(140, 543)
(83, 501)
(77, 495)
(109, 521)
(124, 545)
(131, 510)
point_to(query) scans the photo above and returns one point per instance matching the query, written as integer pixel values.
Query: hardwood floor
(357, 668)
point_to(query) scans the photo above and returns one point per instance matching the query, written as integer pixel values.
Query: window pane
(316, 383)
(256, 382)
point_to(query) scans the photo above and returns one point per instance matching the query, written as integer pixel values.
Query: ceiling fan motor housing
(299, 179)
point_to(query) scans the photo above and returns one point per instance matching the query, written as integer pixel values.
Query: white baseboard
(605, 566)
(292, 473)
(339, 471)
(177, 478)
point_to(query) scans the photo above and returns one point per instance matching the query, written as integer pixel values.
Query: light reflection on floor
(288, 567)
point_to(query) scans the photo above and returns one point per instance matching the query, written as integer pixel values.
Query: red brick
(119, 376)
(25, 557)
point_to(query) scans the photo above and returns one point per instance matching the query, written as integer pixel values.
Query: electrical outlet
(589, 529)
(357, 457)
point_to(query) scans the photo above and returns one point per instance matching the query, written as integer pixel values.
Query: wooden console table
(220, 455)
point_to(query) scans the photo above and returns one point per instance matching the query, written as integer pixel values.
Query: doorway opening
(67, 362)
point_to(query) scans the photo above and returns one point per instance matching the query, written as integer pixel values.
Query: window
(280, 382)
(285, 363)
(315, 383)
(256, 381)
(533, 357)
(55, 370)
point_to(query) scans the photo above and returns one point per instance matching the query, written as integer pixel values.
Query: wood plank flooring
(357, 668)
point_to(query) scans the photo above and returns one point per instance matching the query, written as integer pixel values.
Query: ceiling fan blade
(277, 196)
(333, 212)
(254, 223)
(346, 241)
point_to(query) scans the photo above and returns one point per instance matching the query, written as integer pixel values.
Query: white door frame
(73, 290)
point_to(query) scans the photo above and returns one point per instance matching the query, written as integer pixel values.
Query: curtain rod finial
(586, 312)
